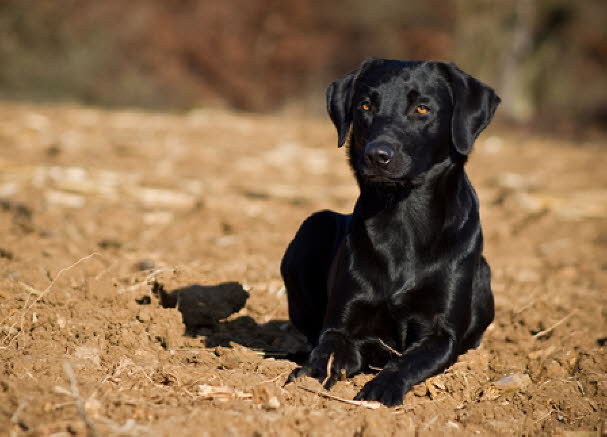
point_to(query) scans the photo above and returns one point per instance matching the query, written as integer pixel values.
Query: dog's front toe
(386, 388)
(333, 359)
(304, 370)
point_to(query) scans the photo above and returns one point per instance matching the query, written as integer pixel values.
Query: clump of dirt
(140, 292)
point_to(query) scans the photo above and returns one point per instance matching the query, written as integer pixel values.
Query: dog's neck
(423, 205)
(441, 180)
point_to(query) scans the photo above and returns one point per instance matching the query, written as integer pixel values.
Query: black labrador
(400, 283)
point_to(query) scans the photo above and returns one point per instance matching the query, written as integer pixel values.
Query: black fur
(400, 283)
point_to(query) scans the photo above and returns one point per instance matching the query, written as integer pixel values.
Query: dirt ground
(139, 281)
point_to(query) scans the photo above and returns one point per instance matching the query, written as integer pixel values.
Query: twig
(535, 295)
(389, 348)
(367, 404)
(329, 365)
(276, 378)
(41, 294)
(426, 425)
(63, 405)
(90, 429)
(31, 290)
(557, 324)
(529, 304)
(59, 273)
(146, 281)
(15, 416)
(544, 416)
(104, 271)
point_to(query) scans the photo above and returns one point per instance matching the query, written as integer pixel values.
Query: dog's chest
(371, 318)
(397, 283)
(393, 268)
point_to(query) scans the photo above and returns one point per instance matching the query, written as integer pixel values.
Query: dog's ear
(339, 105)
(474, 104)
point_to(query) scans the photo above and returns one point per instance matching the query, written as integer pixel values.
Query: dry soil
(139, 281)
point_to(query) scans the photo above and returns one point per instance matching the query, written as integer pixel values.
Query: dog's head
(404, 117)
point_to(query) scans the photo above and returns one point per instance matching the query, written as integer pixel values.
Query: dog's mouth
(372, 174)
(375, 179)
(386, 175)
(379, 178)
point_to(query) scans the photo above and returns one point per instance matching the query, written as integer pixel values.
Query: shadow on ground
(206, 311)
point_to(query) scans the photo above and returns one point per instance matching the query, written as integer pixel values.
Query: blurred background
(546, 58)
(156, 149)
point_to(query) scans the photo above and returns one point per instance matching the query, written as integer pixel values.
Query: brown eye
(365, 106)
(422, 109)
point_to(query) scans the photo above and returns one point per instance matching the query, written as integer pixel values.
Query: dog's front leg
(428, 357)
(335, 357)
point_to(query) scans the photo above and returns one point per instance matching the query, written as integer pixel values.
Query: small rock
(64, 200)
(221, 393)
(144, 315)
(555, 370)
(432, 390)
(93, 406)
(579, 433)
(440, 385)
(420, 390)
(452, 425)
(109, 243)
(88, 353)
(145, 264)
(507, 384)
(273, 403)
(158, 217)
(53, 151)
(511, 383)
(232, 357)
(542, 353)
(264, 395)
(159, 198)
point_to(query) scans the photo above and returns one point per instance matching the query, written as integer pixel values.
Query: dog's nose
(378, 154)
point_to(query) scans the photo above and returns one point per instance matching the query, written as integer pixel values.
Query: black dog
(401, 283)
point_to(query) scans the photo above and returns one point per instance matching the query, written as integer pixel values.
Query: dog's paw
(388, 387)
(304, 370)
(333, 359)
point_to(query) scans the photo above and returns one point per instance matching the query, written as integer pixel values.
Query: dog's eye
(422, 109)
(365, 106)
